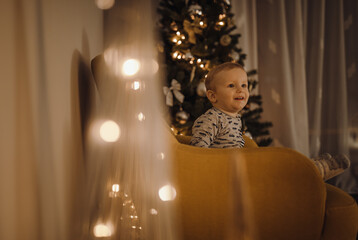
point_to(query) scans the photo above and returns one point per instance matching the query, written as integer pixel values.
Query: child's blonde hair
(213, 72)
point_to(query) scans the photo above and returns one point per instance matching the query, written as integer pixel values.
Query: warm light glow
(179, 57)
(221, 23)
(141, 116)
(178, 33)
(153, 211)
(104, 4)
(201, 23)
(109, 131)
(115, 187)
(175, 40)
(136, 85)
(155, 66)
(179, 42)
(101, 230)
(175, 54)
(199, 60)
(130, 67)
(161, 155)
(201, 65)
(167, 193)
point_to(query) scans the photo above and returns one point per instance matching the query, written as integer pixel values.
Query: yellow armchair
(256, 193)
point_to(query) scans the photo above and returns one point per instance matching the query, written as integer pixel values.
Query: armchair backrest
(260, 193)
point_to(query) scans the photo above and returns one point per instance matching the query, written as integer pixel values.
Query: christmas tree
(196, 36)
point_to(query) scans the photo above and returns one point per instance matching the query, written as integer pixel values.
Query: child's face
(230, 91)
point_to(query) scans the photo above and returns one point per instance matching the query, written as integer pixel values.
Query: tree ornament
(201, 89)
(192, 29)
(174, 88)
(225, 40)
(192, 74)
(181, 117)
(195, 9)
(235, 55)
(188, 55)
(174, 26)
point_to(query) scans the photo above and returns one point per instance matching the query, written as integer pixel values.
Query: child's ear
(210, 94)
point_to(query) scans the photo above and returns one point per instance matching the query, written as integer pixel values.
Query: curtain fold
(301, 49)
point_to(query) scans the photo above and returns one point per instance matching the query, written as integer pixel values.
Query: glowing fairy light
(135, 85)
(221, 23)
(141, 116)
(175, 54)
(178, 33)
(199, 60)
(222, 16)
(174, 40)
(202, 65)
(161, 155)
(167, 193)
(153, 211)
(104, 4)
(179, 42)
(179, 57)
(201, 23)
(109, 131)
(101, 230)
(130, 67)
(115, 187)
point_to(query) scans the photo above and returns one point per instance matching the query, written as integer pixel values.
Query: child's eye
(231, 85)
(244, 85)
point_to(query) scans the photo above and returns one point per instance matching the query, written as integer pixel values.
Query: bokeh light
(161, 156)
(130, 67)
(115, 187)
(136, 85)
(102, 230)
(167, 193)
(155, 66)
(141, 117)
(109, 131)
(104, 4)
(153, 211)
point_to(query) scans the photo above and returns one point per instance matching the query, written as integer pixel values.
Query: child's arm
(204, 131)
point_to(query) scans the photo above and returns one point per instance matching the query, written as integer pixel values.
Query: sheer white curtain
(301, 60)
(40, 147)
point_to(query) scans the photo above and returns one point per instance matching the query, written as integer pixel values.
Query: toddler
(220, 126)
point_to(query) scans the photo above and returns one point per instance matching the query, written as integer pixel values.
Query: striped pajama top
(216, 129)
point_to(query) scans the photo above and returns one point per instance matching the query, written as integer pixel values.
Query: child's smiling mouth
(239, 98)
